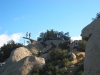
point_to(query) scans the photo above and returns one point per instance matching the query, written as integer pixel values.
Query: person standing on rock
(26, 34)
(29, 35)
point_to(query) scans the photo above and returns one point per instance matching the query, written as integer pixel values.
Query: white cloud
(5, 37)
(76, 38)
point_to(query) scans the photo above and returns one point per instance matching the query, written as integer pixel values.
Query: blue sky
(20, 16)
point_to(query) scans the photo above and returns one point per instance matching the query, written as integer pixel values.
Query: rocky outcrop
(16, 56)
(76, 57)
(24, 66)
(72, 56)
(46, 56)
(31, 40)
(56, 42)
(91, 29)
(80, 56)
(92, 57)
(21, 62)
(46, 48)
(35, 48)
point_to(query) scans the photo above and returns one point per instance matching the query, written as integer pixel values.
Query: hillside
(51, 60)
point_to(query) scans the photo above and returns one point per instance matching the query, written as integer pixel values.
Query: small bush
(80, 73)
(6, 49)
(53, 66)
(63, 45)
(81, 46)
(80, 69)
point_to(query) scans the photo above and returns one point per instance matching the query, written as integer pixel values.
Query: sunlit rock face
(21, 62)
(24, 66)
(35, 47)
(16, 55)
(92, 56)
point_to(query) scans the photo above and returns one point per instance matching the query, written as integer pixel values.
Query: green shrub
(58, 54)
(81, 46)
(6, 49)
(80, 69)
(53, 66)
(80, 73)
(66, 62)
(63, 45)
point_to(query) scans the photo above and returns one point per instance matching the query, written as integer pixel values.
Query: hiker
(29, 35)
(68, 44)
(75, 45)
(26, 34)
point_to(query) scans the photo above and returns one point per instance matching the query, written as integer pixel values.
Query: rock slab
(92, 56)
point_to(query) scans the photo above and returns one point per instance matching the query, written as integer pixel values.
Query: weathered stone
(92, 57)
(46, 49)
(35, 47)
(72, 56)
(80, 56)
(77, 57)
(91, 28)
(56, 42)
(24, 66)
(16, 56)
(45, 56)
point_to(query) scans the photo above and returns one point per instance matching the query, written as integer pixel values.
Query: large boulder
(32, 48)
(71, 56)
(80, 56)
(92, 57)
(35, 47)
(16, 56)
(91, 29)
(76, 57)
(46, 48)
(24, 66)
(56, 42)
(46, 56)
